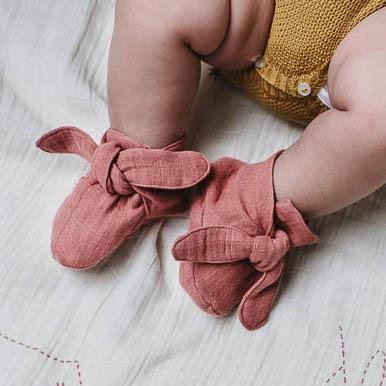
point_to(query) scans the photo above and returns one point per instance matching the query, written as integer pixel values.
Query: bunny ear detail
(213, 245)
(257, 302)
(68, 140)
(162, 169)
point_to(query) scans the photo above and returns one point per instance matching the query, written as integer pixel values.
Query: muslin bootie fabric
(127, 186)
(238, 236)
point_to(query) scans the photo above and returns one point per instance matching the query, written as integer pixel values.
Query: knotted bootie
(238, 236)
(128, 185)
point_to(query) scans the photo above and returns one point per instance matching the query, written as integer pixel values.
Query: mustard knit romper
(303, 37)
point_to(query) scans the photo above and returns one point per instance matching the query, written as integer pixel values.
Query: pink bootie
(127, 186)
(238, 236)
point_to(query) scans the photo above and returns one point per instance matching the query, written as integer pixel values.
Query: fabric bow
(224, 245)
(119, 170)
(220, 244)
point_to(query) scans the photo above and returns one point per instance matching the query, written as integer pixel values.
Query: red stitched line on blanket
(342, 368)
(49, 356)
(343, 354)
(368, 366)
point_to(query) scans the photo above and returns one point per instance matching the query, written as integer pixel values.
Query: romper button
(304, 89)
(260, 63)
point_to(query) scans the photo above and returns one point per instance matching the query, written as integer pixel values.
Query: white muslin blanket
(128, 322)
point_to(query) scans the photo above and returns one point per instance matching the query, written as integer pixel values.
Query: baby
(244, 218)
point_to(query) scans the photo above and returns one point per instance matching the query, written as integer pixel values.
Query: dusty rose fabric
(127, 186)
(233, 253)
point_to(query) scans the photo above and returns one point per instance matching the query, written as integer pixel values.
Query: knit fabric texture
(238, 236)
(128, 185)
(303, 37)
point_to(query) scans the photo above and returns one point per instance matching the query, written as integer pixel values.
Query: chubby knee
(373, 119)
(369, 126)
(357, 81)
(358, 86)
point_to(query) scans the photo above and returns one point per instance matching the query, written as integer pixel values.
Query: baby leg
(154, 65)
(341, 157)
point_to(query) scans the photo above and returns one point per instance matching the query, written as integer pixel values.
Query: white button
(260, 63)
(304, 89)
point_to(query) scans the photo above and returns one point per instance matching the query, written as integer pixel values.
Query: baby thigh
(357, 74)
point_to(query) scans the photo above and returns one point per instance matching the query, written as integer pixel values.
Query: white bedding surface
(128, 322)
